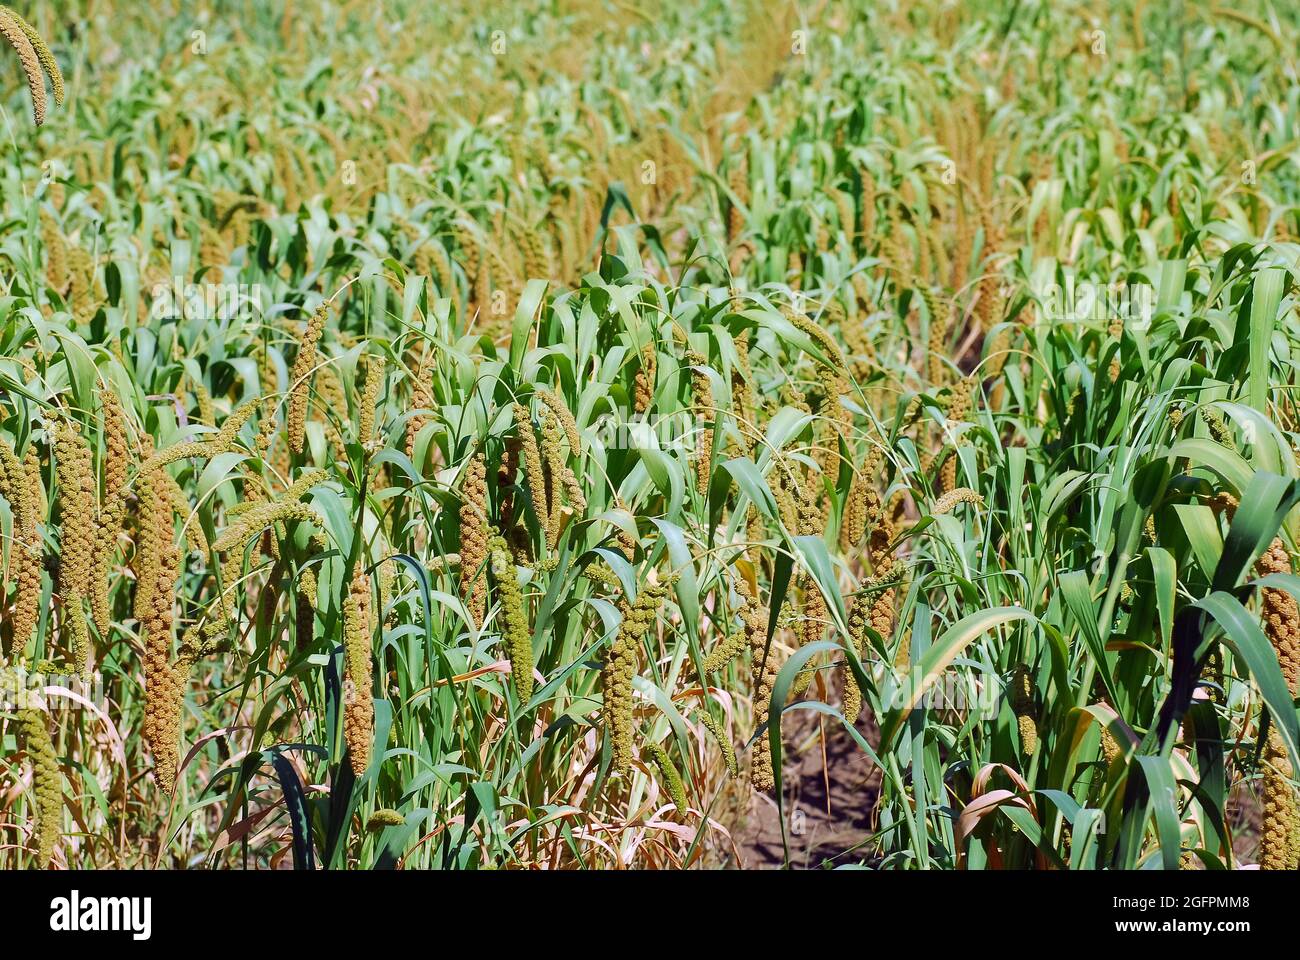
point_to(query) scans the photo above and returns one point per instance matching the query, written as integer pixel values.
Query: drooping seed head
(30, 60)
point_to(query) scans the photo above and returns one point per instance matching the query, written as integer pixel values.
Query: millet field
(594, 434)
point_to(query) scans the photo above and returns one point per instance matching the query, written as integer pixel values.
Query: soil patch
(830, 791)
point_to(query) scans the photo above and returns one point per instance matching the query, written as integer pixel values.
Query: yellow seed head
(78, 630)
(1281, 618)
(738, 182)
(702, 412)
(1281, 615)
(26, 610)
(220, 443)
(185, 450)
(515, 629)
(307, 480)
(868, 204)
(384, 818)
(851, 701)
(643, 392)
(374, 374)
(858, 501)
(947, 502)
(56, 253)
(439, 267)
(724, 741)
(167, 693)
(47, 781)
(1275, 838)
(814, 331)
(358, 707)
(859, 619)
(672, 780)
(764, 666)
(1028, 734)
(30, 60)
(22, 488)
(304, 617)
(112, 507)
(937, 345)
(554, 467)
(532, 465)
(474, 537)
(203, 397)
(299, 380)
(262, 515)
(421, 399)
(43, 53)
(81, 283)
(73, 462)
(724, 652)
(1110, 748)
(621, 666)
(230, 427)
(1022, 704)
(882, 621)
(157, 569)
(811, 627)
(180, 504)
(834, 422)
(565, 417)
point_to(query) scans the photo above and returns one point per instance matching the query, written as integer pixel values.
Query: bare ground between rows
(830, 789)
(829, 798)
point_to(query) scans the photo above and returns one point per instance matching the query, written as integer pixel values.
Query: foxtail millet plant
(644, 384)
(621, 659)
(514, 629)
(474, 537)
(73, 463)
(553, 475)
(719, 734)
(157, 568)
(56, 253)
(421, 399)
(112, 508)
(1022, 704)
(300, 378)
(358, 707)
(43, 53)
(1281, 616)
(47, 781)
(969, 478)
(763, 670)
(725, 651)
(19, 479)
(15, 30)
(533, 467)
(672, 780)
(375, 367)
(702, 414)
